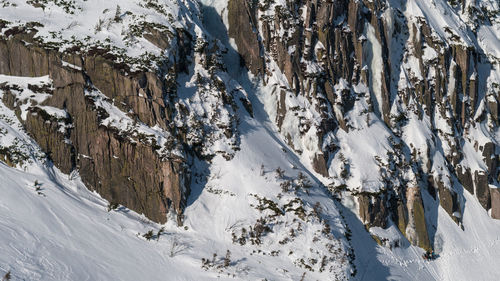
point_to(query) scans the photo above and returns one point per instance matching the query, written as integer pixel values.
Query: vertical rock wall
(325, 48)
(122, 170)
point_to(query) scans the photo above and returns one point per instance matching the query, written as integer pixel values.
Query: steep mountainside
(265, 140)
(393, 98)
(113, 104)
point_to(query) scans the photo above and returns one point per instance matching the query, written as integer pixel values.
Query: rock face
(372, 210)
(106, 159)
(242, 27)
(495, 203)
(330, 62)
(130, 111)
(388, 105)
(416, 230)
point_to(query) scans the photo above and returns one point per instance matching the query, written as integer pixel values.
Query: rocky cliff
(420, 87)
(106, 157)
(389, 102)
(114, 116)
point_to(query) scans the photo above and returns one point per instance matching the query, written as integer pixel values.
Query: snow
(440, 18)
(472, 158)
(67, 64)
(23, 82)
(56, 112)
(373, 52)
(429, 54)
(244, 176)
(20, 88)
(417, 132)
(119, 120)
(468, 254)
(101, 23)
(489, 38)
(65, 232)
(62, 231)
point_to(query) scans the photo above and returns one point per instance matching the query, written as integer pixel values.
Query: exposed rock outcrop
(106, 158)
(242, 27)
(416, 230)
(372, 210)
(329, 56)
(495, 203)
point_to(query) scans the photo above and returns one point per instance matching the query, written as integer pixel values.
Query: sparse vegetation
(267, 204)
(148, 235)
(98, 25)
(159, 233)
(280, 173)
(15, 154)
(112, 206)
(176, 247)
(219, 191)
(221, 265)
(38, 188)
(7, 276)
(69, 6)
(302, 182)
(118, 14)
(286, 186)
(227, 258)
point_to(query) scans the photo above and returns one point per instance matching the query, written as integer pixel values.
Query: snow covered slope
(115, 24)
(344, 166)
(274, 222)
(53, 228)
